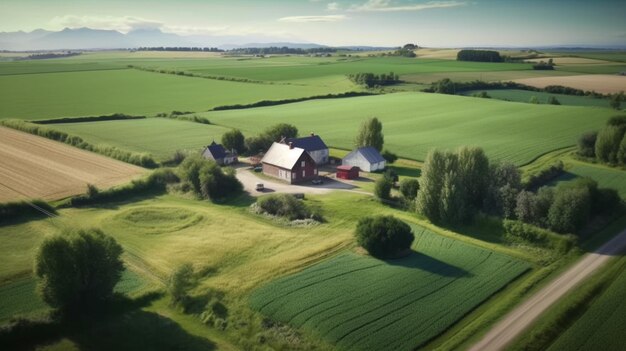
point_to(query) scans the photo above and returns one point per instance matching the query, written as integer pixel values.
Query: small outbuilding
(289, 163)
(220, 155)
(347, 172)
(367, 158)
(314, 145)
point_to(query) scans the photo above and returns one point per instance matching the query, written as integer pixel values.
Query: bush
(569, 211)
(409, 188)
(538, 236)
(389, 156)
(382, 188)
(217, 183)
(78, 269)
(383, 236)
(287, 206)
(608, 143)
(553, 101)
(587, 144)
(179, 284)
(544, 175)
(10, 211)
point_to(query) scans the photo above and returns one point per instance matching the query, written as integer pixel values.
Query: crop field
(160, 137)
(361, 303)
(601, 327)
(486, 76)
(601, 83)
(56, 66)
(41, 96)
(605, 176)
(35, 167)
(519, 95)
(417, 122)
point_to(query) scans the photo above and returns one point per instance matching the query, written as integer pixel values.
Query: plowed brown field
(35, 167)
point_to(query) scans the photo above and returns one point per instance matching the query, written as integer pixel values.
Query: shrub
(78, 269)
(587, 144)
(608, 142)
(382, 188)
(569, 211)
(389, 156)
(538, 236)
(553, 101)
(217, 183)
(544, 175)
(409, 188)
(287, 206)
(179, 284)
(383, 236)
(18, 209)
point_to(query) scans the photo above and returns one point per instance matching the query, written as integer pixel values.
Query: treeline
(50, 55)
(139, 159)
(16, 210)
(113, 117)
(479, 56)
(608, 145)
(179, 48)
(542, 65)
(275, 50)
(371, 80)
(544, 175)
(184, 116)
(263, 103)
(195, 75)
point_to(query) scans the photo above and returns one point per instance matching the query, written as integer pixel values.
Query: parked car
(258, 169)
(260, 187)
(317, 181)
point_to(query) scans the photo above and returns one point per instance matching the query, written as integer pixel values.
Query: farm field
(160, 137)
(606, 177)
(519, 95)
(35, 167)
(601, 83)
(361, 303)
(70, 94)
(416, 122)
(602, 325)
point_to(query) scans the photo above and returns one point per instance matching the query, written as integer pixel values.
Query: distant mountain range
(87, 38)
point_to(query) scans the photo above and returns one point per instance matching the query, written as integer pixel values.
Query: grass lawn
(160, 137)
(414, 123)
(362, 303)
(40, 96)
(607, 177)
(525, 96)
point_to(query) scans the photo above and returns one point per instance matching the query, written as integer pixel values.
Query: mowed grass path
(362, 303)
(158, 136)
(414, 123)
(49, 95)
(602, 326)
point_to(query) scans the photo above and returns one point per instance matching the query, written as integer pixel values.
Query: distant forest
(479, 56)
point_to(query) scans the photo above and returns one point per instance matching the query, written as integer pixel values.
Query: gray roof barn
(367, 158)
(309, 143)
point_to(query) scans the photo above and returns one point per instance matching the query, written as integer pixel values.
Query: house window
(293, 175)
(303, 163)
(303, 173)
(316, 171)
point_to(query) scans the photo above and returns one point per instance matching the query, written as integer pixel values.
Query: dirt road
(522, 317)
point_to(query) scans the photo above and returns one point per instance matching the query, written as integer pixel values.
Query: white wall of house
(320, 156)
(358, 160)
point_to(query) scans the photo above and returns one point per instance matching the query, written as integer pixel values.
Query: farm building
(314, 145)
(289, 163)
(220, 155)
(347, 172)
(367, 158)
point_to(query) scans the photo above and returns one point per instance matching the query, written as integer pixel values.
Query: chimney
(312, 134)
(290, 145)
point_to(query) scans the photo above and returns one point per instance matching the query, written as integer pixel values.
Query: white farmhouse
(367, 158)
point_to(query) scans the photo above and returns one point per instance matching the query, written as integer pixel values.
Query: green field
(41, 96)
(519, 95)
(414, 123)
(602, 326)
(606, 177)
(361, 303)
(160, 137)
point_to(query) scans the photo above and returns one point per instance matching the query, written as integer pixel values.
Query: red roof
(345, 167)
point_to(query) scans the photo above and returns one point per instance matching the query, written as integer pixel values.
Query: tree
(78, 269)
(382, 188)
(409, 188)
(553, 101)
(208, 179)
(189, 171)
(234, 140)
(474, 168)
(570, 210)
(383, 236)
(370, 134)
(279, 131)
(179, 284)
(621, 151)
(533, 100)
(616, 100)
(389, 156)
(430, 184)
(608, 142)
(587, 144)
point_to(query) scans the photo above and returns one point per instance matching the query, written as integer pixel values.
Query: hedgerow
(113, 117)
(18, 209)
(263, 103)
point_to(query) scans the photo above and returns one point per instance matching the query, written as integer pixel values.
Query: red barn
(289, 163)
(347, 172)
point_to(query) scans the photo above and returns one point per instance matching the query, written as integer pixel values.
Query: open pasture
(160, 137)
(41, 96)
(519, 95)
(601, 83)
(606, 177)
(485, 76)
(35, 167)
(414, 123)
(362, 303)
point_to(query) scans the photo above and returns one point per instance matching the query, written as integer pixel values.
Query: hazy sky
(342, 22)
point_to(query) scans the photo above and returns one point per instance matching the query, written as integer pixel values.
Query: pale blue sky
(342, 22)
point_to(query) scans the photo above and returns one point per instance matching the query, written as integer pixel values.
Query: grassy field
(40, 96)
(361, 303)
(519, 95)
(606, 177)
(413, 123)
(594, 80)
(160, 137)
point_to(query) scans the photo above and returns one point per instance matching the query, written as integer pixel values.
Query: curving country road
(514, 323)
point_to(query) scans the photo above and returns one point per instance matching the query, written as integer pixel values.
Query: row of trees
(179, 48)
(274, 50)
(207, 179)
(608, 145)
(272, 134)
(371, 80)
(479, 56)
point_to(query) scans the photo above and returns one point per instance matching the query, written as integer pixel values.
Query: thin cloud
(387, 6)
(306, 19)
(122, 24)
(332, 6)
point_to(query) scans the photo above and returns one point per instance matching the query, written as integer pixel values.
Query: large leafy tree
(78, 269)
(234, 140)
(370, 134)
(383, 236)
